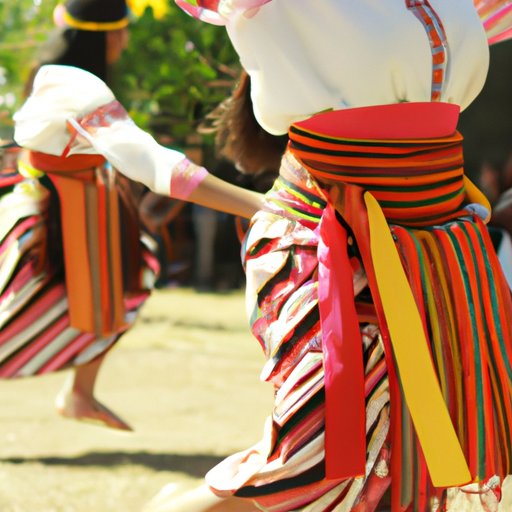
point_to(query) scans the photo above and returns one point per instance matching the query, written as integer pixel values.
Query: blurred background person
(64, 304)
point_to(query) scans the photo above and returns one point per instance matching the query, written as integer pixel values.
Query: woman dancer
(372, 284)
(50, 315)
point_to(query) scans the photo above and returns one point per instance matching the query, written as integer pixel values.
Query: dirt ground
(186, 378)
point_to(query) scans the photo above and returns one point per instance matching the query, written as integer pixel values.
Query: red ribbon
(345, 416)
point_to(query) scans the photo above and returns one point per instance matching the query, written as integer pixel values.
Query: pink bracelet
(185, 178)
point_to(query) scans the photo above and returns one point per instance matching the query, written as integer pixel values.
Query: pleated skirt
(463, 300)
(35, 332)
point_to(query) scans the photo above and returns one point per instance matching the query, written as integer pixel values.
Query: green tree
(25, 25)
(175, 70)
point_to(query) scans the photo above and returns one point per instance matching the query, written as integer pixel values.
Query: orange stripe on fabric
(116, 258)
(502, 289)
(404, 194)
(94, 253)
(90, 233)
(45, 162)
(503, 296)
(104, 256)
(74, 241)
(425, 162)
(437, 38)
(412, 265)
(364, 150)
(423, 179)
(400, 147)
(466, 338)
(447, 324)
(422, 212)
(412, 270)
(363, 169)
(483, 284)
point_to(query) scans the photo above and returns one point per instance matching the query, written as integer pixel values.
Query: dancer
(372, 284)
(52, 316)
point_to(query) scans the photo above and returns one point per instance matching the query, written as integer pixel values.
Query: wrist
(183, 179)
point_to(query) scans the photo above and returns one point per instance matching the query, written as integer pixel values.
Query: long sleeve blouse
(307, 56)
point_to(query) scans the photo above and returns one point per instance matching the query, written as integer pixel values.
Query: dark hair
(72, 47)
(240, 138)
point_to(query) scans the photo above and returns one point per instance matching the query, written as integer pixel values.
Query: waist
(409, 155)
(71, 166)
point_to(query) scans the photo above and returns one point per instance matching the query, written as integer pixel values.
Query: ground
(186, 378)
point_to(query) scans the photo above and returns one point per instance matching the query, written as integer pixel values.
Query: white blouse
(306, 56)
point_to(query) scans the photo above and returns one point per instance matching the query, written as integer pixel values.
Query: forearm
(217, 194)
(108, 130)
(191, 182)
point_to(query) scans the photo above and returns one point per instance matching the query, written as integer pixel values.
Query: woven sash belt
(91, 239)
(397, 164)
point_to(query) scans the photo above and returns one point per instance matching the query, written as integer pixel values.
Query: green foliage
(25, 25)
(175, 70)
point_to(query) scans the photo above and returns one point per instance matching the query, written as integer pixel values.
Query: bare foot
(74, 405)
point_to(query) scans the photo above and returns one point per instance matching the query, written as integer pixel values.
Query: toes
(88, 409)
(109, 418)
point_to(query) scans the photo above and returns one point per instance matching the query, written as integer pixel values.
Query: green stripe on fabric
(436, 346)
(256, 248)
(307, 197)
(464, 227)
(384, 156)
(365, 142)
(384, 172)
(417, 188)
(495, 306)
(498, 397)
(423, 202)
(477, 359)
(406, 494)
(296, 212)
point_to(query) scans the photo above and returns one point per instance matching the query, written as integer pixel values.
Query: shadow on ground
(193, 465)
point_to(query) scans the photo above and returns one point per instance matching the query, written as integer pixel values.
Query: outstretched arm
(221, 195)
(99, 124)
(166, 171)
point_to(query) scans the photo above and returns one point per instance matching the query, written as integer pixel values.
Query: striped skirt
(35, 332)
(452, 271)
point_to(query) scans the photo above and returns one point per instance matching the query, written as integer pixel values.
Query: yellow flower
(159, 7)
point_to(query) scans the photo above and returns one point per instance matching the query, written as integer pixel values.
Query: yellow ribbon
(443, 454)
